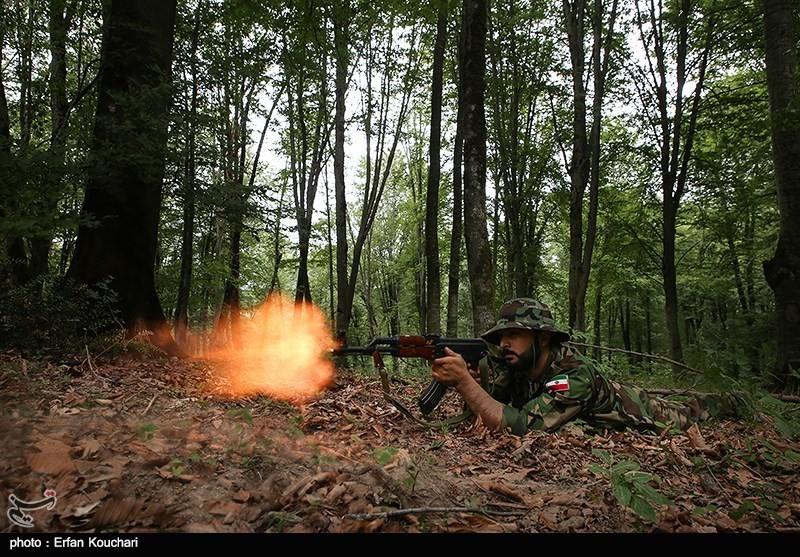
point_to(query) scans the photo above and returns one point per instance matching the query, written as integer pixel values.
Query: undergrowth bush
(52, 314)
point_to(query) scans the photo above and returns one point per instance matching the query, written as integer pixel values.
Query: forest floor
(142, 445)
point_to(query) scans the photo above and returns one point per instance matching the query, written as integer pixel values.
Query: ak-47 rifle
(429, 347)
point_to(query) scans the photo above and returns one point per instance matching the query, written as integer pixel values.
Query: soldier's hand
(451, 368)
(475, 372)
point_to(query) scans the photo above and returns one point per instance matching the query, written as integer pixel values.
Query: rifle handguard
(431, 397)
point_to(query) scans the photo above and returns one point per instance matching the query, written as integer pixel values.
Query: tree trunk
(676, 130)
(597, 316)
(40, 244)
(454, 267)
(123, 187)
(309, 133)
(783, 270)
(13, 270)
(433, 266)
(584, 167)
(16, 266)
(342, 54)
(181, 321)
(479, 258)
(376, 180)
(579, 163)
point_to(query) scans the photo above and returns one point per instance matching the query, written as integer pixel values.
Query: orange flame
(279, 352)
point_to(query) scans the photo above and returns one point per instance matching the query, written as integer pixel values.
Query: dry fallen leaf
(696, 438)
(52, 458)
(116, 512)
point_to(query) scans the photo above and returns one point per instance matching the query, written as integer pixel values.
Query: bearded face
(519, 363)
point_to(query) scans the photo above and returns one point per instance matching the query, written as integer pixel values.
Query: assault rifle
(429, 347)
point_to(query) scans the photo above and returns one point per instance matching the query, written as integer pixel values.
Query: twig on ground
(152, 400)
(89, 361)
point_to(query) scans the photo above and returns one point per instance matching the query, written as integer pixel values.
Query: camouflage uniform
(571, 387)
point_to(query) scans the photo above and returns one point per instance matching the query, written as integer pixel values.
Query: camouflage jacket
(572, 387)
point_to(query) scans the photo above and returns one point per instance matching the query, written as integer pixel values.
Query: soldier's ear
(544, 338)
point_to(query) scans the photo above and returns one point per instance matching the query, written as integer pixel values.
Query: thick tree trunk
(123, 188)
(15, 263)
(783, 270)
(479, 258)
(13, 266)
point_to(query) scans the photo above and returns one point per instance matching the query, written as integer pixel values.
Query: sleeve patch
(559, 384)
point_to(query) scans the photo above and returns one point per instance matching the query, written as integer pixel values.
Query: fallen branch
(425, 510)
(783, 398)
(642, 354)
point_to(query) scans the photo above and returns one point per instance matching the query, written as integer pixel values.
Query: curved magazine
(431, 397)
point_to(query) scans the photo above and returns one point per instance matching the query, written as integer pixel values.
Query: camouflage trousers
(636, 408)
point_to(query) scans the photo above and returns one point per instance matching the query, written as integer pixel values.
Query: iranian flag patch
(558, 383)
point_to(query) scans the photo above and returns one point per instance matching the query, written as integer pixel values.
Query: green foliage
(240, 413)
(54, 314)
(630, 486)
(785, 416)
(145, 432)
(767, 498)
(384, 456)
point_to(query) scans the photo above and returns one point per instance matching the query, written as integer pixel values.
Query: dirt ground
(147, 446)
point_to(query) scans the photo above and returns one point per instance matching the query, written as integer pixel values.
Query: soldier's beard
(524, 361)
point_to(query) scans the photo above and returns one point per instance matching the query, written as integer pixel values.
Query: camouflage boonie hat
(524, 313)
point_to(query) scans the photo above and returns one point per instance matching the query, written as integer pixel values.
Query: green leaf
(597, 469)
(652, 495)
(625, 466)
(602, 455)
(791, 455)
(622, 493)
(775, 515)
(740, 511)
(638, 477)
(643, 509)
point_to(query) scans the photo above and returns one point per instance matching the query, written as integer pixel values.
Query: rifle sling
(450, 421)
(406, 412)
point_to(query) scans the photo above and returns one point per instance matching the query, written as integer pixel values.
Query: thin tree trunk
(433, 271)
(181, 321)
(342, 54)
(676, 132)
(454, 267)
(479, 257)
(59, 20)
(597, 316)
(584, 167)
(377, 178)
